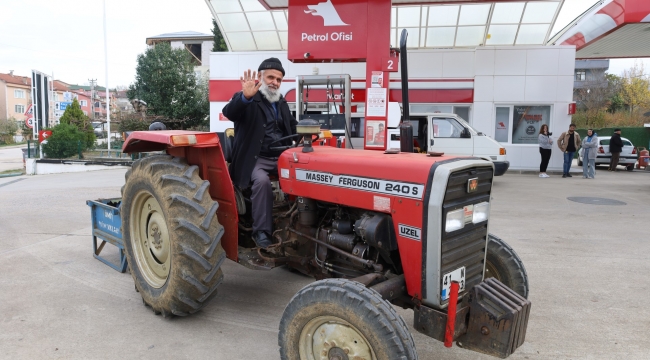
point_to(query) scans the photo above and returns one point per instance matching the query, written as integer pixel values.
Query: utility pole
(93, 82)
(108, 102)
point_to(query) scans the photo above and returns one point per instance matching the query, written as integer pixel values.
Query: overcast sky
(66, 37)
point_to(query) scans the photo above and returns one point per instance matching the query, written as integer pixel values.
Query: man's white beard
(272, 95)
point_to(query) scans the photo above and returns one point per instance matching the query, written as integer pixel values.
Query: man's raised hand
(248, 85)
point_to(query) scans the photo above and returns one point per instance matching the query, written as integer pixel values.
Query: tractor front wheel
(342, 319)
(503, 264)
(171, 235)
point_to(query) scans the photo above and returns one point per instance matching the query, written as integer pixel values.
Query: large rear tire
(503, 263)
(171, 235)
(342, 319)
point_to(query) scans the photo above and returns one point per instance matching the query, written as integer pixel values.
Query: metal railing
(75, 150)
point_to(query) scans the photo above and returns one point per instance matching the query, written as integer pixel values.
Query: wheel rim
(332, 338)
(150, 243)
(491, 271)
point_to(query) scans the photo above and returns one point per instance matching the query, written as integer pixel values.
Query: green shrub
(8, 128)
(73, 115)
(133, 122)
(65, 142)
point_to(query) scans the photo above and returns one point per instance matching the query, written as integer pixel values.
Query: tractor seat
(228, 144)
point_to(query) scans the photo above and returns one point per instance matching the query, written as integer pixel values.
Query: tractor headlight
(481, 212)
(455, 220)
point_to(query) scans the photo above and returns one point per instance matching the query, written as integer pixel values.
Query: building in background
(590, 73)
(120, 105)
(15, 95)
(197, 44)
(590, 83)
(59, 90)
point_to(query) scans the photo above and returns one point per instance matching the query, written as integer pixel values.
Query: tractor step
(257, 259)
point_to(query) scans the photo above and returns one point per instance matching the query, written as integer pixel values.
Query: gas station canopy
(609, 29)
(251, 25)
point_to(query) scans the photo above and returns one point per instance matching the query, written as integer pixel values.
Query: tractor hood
(371, 180)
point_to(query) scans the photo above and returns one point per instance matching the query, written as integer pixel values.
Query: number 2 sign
(389, 64)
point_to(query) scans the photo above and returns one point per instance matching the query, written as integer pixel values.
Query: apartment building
(15, 95)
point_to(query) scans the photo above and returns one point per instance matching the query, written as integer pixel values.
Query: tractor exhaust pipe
(405, 127)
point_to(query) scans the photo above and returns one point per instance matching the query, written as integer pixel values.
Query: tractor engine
(340, 241)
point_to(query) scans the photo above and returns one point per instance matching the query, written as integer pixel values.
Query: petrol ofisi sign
(327, 30)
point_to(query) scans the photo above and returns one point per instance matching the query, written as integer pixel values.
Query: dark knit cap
(615, 130)
(271, 63)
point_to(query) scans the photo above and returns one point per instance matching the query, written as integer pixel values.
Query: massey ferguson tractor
(376, 229)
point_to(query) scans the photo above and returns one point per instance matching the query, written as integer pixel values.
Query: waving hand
(250, 83)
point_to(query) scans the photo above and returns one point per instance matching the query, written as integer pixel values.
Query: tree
(635, 88)
(74, 116)
(595, 93)
(133, 122)
(614, 84)
(219, 43)
(65, 142)
(26, 131)
(165, 80)
(8, 128)
(73, 113)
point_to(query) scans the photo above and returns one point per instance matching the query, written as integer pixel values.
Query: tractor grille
(465, 247)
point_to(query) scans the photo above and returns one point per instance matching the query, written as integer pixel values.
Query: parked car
(628, 156)
(98, 128)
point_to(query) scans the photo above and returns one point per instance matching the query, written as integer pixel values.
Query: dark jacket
(250, 122)
(615, 144)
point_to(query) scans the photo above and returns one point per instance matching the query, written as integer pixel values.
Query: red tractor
(374, 228)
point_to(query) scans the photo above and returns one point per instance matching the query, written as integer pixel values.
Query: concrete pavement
(587, 265)
(11, 158)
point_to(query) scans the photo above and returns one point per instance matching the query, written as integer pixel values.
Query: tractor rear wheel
(171, 235)
(503, 264)
(342, 319)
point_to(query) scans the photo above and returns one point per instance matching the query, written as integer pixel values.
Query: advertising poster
(376, 102)
(375, 133)
(501, 129)
(526, 121)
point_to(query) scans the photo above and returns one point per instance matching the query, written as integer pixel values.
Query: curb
(10, 175)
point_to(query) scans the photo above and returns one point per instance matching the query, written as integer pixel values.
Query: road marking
(11, 182)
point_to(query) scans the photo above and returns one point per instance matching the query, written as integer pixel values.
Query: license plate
(456, 275)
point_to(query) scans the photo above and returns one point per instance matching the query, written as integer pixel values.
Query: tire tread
(389, 326)
(197, 254)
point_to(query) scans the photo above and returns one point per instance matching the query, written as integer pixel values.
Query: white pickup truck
(450, 134)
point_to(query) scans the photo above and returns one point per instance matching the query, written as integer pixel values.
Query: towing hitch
(492, 321)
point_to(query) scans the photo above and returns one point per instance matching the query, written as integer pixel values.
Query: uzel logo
(472, 185)
(328, 12)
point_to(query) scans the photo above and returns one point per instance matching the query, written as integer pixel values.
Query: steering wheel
(284, 147)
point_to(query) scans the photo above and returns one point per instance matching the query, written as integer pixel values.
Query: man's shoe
(563, 175)
(569, 175)
(262, 239)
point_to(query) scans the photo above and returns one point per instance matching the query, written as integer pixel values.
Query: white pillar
(108, 103)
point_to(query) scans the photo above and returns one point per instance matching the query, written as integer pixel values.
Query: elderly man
(261, 116)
